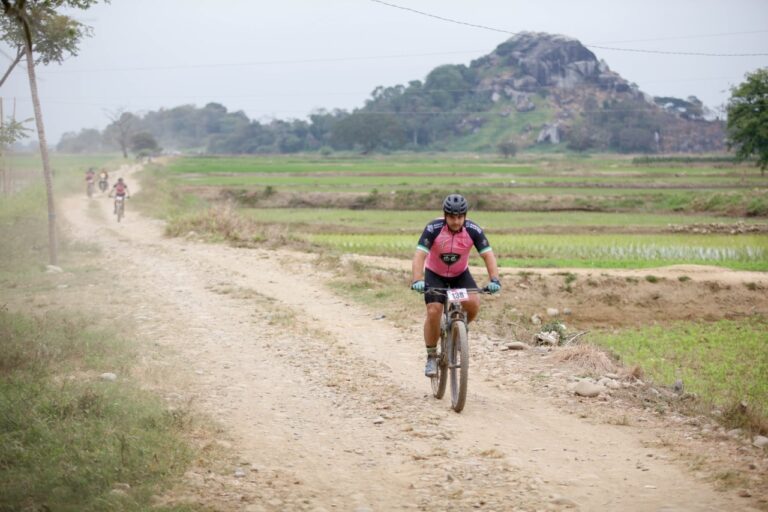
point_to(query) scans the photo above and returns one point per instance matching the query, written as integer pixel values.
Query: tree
(507, 148)
(748, 118)
(88, 140)
(144, 143)
(580, 138)
(121, 129)
(25, 21)
(370, 131)
(55, 35)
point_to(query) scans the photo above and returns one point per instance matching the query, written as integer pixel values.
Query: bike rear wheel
(120, 211)
(458, 364)
(439, 381)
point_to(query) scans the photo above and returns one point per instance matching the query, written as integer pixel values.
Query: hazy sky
(282, 59)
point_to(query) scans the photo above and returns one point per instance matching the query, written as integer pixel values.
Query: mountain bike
(89, 189)
(103, 184)
(453, 349)
(119, 207)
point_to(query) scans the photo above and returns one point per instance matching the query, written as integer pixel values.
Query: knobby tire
(458, 360)
(439, 381)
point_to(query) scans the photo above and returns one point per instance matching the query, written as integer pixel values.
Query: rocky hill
(540, 88)
(532, 90)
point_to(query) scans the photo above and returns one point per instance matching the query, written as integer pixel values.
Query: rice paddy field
(542, 210)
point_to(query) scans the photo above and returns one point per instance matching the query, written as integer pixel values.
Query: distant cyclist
(442, 261)
(90, 177)
(119, 189)
(103, 180)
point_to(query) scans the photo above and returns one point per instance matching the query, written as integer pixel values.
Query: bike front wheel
(439, 381)
(458, 364)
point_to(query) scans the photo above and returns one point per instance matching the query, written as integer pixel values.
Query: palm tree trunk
(52, 245)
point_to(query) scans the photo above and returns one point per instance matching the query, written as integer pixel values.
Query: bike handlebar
(470, 290)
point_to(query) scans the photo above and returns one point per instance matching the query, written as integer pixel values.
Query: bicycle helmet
(455, 204)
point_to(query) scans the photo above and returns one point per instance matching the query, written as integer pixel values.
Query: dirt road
(325, 406)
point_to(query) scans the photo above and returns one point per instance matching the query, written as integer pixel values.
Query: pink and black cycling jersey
(448, 252)
(120, 188)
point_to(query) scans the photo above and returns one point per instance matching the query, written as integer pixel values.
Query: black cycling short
(432, 280)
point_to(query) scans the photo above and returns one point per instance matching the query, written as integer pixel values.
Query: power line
(634, 50)
(694, 36)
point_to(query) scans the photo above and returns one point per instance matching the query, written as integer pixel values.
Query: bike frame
(453, 356)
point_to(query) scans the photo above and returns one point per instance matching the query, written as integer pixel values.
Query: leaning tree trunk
(52, 246)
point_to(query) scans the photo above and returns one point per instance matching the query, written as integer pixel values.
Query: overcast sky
(283, 59)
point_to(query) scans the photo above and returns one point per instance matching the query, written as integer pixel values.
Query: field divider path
(328, 408)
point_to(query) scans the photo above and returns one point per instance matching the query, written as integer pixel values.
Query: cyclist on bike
(119, 189)
(442, 261)
(90, 176)
(103, 179)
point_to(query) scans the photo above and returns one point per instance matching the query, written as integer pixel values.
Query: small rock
(62, 286)
(275, 502)
(547, 338)
(564, 502)
(111, 377)
(380, 317)
(122, 486)
(760, 441)
(536, 320)
(516, 345)
(553, 312)
(587, 389)
(567, 311)
(53, 269)
(745, 493)
(378, 421)
(736, 432)
(118, 492)
(239, 473)
(609, 383)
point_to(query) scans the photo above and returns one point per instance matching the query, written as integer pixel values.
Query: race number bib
(457, 295)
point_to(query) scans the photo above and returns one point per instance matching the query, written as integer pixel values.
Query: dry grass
(587, 357)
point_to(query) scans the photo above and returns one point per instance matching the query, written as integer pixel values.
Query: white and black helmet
(455, 204)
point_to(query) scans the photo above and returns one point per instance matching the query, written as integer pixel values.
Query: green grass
(724, 362)
(532, 182)
(589, 251)
(415, 220)
(68, 170)
(66, 437)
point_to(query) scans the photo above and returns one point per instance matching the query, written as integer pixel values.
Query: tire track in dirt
(326, 408)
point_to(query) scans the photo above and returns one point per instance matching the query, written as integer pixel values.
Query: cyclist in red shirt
(442, 261)
(119, 189)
